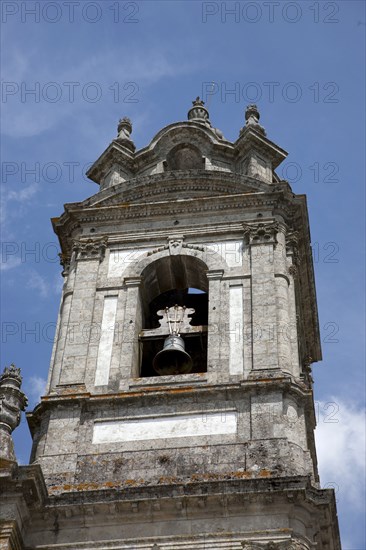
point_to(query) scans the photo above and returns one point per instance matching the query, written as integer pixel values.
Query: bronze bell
(172, 359)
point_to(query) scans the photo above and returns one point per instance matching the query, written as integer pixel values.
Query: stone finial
(11, 376)
(198, 112)
(124, 133)
(252, 117)
(12, 402)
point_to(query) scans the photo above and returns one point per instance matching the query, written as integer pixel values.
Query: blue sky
(91, 63)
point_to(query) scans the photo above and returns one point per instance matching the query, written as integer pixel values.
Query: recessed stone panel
(166, 427)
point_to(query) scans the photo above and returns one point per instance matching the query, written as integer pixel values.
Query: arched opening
(185, 157)
(176, 280)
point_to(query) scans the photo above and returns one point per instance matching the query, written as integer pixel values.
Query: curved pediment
(185, 130)
(178, 185)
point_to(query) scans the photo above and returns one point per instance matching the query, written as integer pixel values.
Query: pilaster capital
(90, 249)
(261, 232)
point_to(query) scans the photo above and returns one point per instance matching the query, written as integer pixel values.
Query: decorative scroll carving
(65, 262)
(91, 249)
(262, 233)
(175, 319)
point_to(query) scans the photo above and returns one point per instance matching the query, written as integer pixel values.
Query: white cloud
(340, 442)
(9, 214)
(69, 90)
(9, 263)
(34, 388)
(37, 282)
(23, 195)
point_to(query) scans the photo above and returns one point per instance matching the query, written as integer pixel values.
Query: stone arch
(212, 259)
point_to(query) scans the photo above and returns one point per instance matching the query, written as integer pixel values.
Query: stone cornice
(231, 492)
(77, 397)
(77, 214)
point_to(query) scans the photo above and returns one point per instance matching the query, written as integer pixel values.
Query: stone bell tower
(179, 407)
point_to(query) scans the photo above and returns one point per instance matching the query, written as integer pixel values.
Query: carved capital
(261, 233)
(90, 249)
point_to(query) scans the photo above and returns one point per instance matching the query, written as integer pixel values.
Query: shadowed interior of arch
(175, 280)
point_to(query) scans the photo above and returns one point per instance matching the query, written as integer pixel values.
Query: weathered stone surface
(223, 456)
